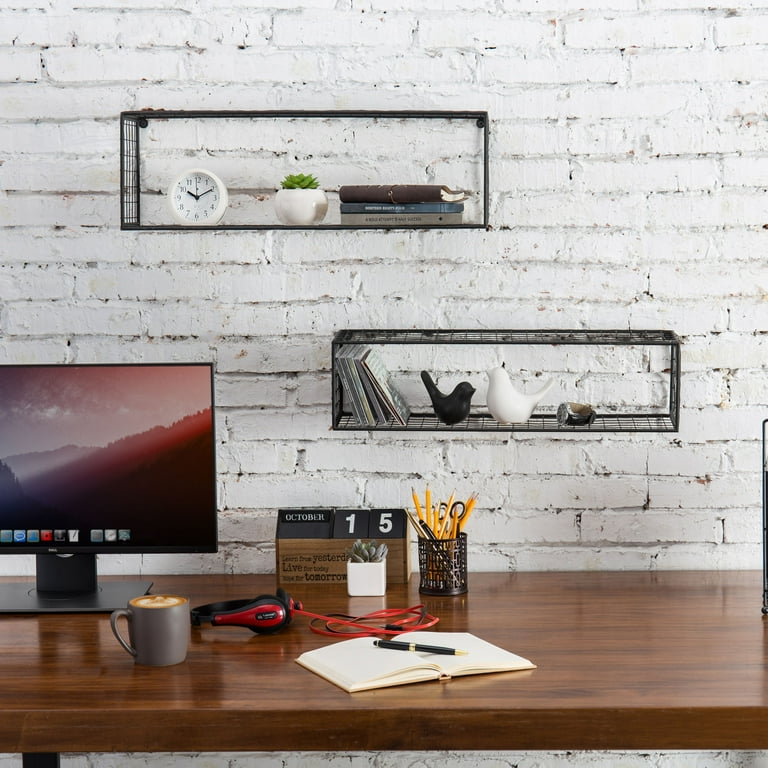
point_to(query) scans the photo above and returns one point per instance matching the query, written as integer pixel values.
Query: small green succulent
(367, 553)
(299, 181)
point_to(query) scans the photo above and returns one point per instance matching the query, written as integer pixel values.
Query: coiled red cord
(397, 621)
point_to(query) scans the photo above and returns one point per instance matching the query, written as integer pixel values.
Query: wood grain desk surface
(664, 660)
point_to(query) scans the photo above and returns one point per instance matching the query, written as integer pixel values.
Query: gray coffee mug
(158, 629)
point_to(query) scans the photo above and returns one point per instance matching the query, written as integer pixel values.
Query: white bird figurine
(508, 405)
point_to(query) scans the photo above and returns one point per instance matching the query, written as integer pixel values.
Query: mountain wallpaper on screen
(144, 482)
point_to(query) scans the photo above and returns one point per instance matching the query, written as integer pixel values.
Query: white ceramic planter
(301, 207)
(366, 579)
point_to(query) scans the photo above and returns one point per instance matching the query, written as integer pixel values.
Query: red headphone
(264, 614)
(267, 614)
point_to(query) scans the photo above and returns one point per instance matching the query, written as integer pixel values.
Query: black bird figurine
(453, 408)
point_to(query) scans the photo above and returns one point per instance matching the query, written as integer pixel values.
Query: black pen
(428, 532)
(416, 647)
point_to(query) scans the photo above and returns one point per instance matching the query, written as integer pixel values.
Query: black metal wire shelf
(544, 423)
(666, 419)
(616, 337)
(133, 122)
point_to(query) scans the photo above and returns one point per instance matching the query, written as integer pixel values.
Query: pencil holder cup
(443, 566)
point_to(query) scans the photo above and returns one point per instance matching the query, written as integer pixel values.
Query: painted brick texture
(628, 175)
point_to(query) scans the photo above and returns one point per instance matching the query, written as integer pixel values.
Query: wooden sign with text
(310, 543)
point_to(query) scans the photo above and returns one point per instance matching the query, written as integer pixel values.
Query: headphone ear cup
(286, 600)
(283, 601)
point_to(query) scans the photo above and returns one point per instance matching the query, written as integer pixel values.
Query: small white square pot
(366, 579)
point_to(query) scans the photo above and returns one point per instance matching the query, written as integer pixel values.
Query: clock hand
(204, 193)
(197, 197)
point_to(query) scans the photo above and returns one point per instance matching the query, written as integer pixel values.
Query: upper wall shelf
(252, 151)
(633, 383)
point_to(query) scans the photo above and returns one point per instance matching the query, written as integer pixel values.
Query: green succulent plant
(299, 181)
(367, 553)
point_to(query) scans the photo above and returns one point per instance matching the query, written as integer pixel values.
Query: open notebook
(358, 665)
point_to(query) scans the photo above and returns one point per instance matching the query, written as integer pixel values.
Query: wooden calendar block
(310, 544)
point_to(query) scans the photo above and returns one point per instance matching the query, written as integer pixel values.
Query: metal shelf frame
(764, 462)
(132, 123)
(343, 419)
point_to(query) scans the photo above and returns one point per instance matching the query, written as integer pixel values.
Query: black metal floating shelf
(133, 122)
(625, 337)
(765, 516)
(659, 421)
(537, 423)
(248, 227)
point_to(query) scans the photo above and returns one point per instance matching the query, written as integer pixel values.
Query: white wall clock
(198, 198)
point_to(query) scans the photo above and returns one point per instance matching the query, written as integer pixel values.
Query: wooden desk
(626, 661)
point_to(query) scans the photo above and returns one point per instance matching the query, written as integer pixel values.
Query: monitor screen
(97, 459)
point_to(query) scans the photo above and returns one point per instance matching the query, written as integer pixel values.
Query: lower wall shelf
(658, 417)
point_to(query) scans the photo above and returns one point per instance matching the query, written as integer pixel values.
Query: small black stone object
(575, 414)
(452, 408)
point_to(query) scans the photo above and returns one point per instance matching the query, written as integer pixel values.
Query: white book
(358, 665)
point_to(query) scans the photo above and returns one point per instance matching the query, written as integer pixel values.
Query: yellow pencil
(419, 511)
(444, 523)
(455, 524)
(470, 505)
(428, 507)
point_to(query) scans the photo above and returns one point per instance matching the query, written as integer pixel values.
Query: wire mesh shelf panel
(545, 336)
(129, 172)
(478, 423)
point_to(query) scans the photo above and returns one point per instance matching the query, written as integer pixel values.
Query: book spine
(378, 412)
(368, 418)
(398, 219)
(390, 193)
(382, 380)
(402, 208)
(348, 386)
(364, 403)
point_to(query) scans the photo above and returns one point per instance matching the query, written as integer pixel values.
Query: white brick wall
(629, 161)
(422, 760)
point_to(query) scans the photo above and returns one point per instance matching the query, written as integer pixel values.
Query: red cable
(410, 619)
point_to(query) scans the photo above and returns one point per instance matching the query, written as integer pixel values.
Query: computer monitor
(98, 460)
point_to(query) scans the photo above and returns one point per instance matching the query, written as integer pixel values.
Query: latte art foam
(157, 601)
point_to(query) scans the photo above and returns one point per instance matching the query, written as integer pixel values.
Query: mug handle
(113, 623)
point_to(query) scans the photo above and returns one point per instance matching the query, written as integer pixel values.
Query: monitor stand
(68, 584)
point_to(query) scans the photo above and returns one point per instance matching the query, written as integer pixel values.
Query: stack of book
(398, 204)
(373, 397)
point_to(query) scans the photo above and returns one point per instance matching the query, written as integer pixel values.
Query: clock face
(198, 198)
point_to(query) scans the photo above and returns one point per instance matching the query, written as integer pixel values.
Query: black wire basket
(443, 566)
